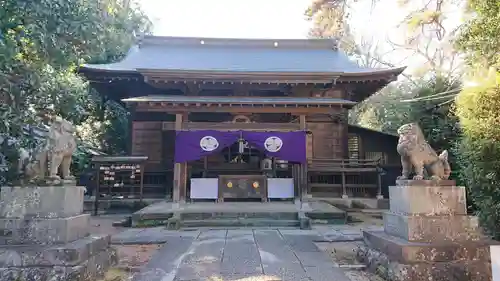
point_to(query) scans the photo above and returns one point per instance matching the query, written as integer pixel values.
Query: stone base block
(43, 230)
(406, 252)
(463, 270)
(427, 197)
(82, 260)
(43, 201)
(432, 228)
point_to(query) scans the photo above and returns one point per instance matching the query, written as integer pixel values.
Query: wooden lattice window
(353, 146)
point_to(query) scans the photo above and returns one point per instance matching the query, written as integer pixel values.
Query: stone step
(43, 230)
(420, 228)
(401, 250)
(333, 217)
(249, 222)
(239, 215)
(457, 270)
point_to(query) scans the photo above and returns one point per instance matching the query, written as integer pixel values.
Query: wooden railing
(343, 165)
(340, 185)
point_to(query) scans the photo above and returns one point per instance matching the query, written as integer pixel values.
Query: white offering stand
(208, 188)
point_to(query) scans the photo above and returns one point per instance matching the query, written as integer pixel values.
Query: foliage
(479, 37)
(426, 99)
(478, 108)
(41, 43)
(330, 19)
(412, 102)
(383, 111)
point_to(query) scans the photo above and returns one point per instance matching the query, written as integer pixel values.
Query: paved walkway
(239, 255)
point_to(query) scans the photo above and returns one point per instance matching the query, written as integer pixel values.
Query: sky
(275, 19)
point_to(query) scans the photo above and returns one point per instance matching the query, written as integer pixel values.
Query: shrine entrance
(241, 165)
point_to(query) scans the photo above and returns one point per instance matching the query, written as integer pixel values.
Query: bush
(478, 109)
(480, 170)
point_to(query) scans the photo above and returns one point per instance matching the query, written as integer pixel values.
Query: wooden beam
(241, 77)
(177, 166)
(283, 87)
(345, 134)
(284, 127)
(344, 188)
(130, 140)
(379, 186)
(303, 122)
(240, 109)
(305, 178)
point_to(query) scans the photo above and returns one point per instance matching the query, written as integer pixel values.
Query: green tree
(479, 37)
(41, 43)
(426, 95)
(478, 107)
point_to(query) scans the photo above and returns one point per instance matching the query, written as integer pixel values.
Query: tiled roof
(236, 55)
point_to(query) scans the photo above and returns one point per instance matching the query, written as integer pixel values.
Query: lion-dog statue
(417, 155)
(56, 154)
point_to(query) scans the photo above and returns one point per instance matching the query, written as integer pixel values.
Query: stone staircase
(237, 214)
(239, 219)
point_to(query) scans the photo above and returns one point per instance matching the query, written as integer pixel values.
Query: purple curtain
(290, 146)
(194, 145)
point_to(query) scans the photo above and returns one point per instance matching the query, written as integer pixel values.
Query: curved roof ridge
(219, 55)
(240, 42)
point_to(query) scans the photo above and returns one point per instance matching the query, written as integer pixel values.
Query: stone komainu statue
(56, 154)
(416, 153)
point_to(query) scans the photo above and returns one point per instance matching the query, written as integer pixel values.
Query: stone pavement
(239, 254)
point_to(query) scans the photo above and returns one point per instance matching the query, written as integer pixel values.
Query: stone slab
(427, 199)
(88, 270)
(70, 254)
(403, 251)
(42, 202)
(461, 270)
(326, 274)
(43, 230)
(229, 214)
(164, 264)
(302, 243)
(432, 228)
(425, 182)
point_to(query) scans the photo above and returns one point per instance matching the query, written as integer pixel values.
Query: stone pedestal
(428, 236)
(44, 236)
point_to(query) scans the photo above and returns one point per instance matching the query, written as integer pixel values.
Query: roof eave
(88, 68)
(187, 102)
(250, 76)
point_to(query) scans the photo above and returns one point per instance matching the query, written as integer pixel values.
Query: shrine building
(249, 119)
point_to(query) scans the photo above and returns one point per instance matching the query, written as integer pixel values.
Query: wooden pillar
(205, 167)
(344, 188)
(296, 182)
(131, 119)
(183, 185)
(379, 186)
(304, 179)
(345, 133)
(178, 167)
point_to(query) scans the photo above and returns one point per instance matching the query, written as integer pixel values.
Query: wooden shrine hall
(249, 119)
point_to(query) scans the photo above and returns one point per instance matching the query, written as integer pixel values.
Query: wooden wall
(147, 140)
(374, 142)
(326, 139)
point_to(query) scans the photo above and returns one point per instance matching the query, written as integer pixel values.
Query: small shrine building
(249, 119)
